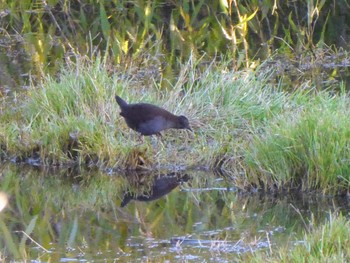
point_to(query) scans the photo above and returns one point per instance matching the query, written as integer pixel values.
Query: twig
(24, 233)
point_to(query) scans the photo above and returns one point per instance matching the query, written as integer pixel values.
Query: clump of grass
(327, 243)
(72, 116)
(226, 107)
(307, 147)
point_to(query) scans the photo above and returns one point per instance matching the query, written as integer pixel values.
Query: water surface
(69, 215)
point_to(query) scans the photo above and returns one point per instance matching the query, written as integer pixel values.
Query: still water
(70, 215)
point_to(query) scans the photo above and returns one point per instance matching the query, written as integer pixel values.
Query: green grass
(81, 105)
(243, 124)
(306, 147)
(52, 113)
(327, 243)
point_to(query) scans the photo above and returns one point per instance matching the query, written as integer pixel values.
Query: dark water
(71, 215)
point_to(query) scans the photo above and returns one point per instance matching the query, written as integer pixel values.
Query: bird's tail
(122, 103)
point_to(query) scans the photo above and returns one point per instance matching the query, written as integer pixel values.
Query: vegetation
(165, 33)
(247, 74)
(326, 243)
(243, 124)
(306, 148)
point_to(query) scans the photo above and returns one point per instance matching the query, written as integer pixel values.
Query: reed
(246, 31)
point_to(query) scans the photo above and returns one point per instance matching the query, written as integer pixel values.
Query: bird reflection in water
(147, 187)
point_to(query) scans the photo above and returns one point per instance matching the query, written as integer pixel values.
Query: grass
(307, 148)
(243, 124)
(77, 117)
(60, 119)
(327, 243)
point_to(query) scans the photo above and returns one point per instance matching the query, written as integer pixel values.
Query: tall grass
(305, 148)
(245, 30)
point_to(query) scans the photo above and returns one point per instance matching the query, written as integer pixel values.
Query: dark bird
(148, 119)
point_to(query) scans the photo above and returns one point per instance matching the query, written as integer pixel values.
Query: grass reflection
(71, 214)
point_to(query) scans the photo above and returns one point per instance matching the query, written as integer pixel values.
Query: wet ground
(71, 215)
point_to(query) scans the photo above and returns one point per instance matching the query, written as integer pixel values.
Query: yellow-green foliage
(244, 30)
